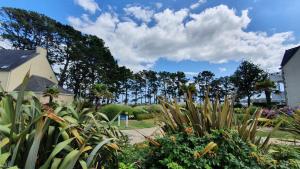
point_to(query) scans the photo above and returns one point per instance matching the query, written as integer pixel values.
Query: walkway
(136, 135)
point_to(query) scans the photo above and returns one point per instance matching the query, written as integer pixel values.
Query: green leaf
(70, 160)
(3, 158)
(56, 163)
(33, 152)
(83, 164)
(4, 142)
(60, 146)
(96, 149)
(14, 167)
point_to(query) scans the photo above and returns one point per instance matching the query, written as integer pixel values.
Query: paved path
(135, 136)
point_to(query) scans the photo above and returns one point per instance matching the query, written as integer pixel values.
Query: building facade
(15, 64)
(290, 67)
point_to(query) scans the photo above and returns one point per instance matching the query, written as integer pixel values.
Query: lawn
(278, 134)
(136, 124)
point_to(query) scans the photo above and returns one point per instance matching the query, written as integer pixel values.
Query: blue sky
(182, 35)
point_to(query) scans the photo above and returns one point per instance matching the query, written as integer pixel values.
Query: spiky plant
(36, 136)
(210, 116)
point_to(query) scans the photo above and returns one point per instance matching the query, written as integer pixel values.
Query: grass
(136, 124)
(278, 134)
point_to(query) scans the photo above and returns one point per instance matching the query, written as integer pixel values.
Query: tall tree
(245, 79)
(125, 77)
(82, 60)
(203, 79)
(180, 81)
(163, 78)
(267, 86)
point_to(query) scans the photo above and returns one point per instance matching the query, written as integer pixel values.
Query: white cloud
(197, 4)
(4, 43)
(216, 35)
(158, 5)
(222, 69)
(88, 5)
(191, 73)
(139, 12)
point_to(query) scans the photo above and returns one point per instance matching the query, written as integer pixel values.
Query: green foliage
(144, 116)
(174, 165)
(83, 58)
(186, 150)
(111, 110)
(37, 136)
(139, 110)
(245, 79)
(153, 108)
(286, 156)
(133, 155)
(51, 92)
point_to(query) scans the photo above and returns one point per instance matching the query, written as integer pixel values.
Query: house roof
(40, 84)
(288, 55)
(10, 59)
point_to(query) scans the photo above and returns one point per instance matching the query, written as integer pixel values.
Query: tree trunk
(63, 75)
(126, 95)
(50, 99)
(268, 97)
(249, 100)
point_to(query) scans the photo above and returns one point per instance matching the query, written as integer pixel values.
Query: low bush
(154, 108)
(286, 157)
(138, 110)
(111, 110)
(144, 116)
(186, 150)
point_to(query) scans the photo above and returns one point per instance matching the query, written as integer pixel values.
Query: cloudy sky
(185, 35)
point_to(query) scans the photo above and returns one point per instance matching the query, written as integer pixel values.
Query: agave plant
(211, 116)
(36, 136)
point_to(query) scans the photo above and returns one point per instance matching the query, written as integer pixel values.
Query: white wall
(38, 65)
(291, 73)
(4, 79)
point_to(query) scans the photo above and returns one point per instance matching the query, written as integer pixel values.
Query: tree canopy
(82, 62)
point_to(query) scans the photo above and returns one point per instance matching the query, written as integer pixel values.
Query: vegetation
(51, 92)
(245, 79)
(112, 110)
(205, 131)
(137, 124)
(37, 136)
(221, 148)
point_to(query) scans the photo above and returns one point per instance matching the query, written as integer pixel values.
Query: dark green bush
(232, 152)
(144, 116)
(286, 156)
(111, 110)
(179, 149)
(138, 110)
(154, 108)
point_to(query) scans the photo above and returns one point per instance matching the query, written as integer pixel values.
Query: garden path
(137, 135)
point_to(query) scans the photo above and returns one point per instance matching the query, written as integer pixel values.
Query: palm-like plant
(51, 92)
(100, 91)
(268, 87)
(36, 136)
(211, 116)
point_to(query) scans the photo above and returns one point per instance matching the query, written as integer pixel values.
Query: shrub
(154, 108)
(138, 110)
(144, 116)
(286, 156)
(111, 110)
(188, 151)
(37, 136)
(133, 155)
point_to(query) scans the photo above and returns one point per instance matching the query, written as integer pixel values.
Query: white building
(14, 65)
(290, 66)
